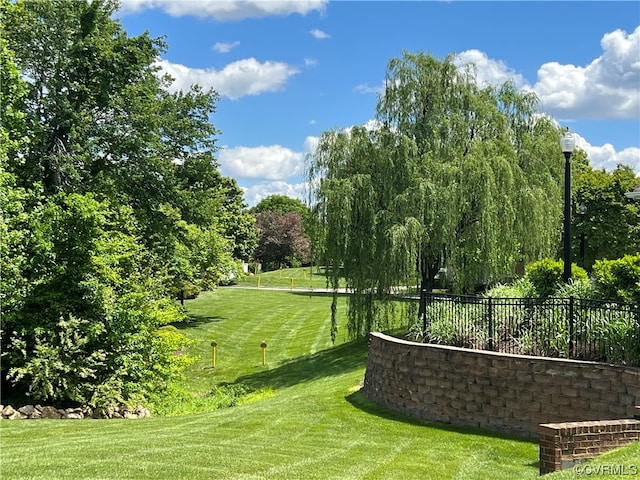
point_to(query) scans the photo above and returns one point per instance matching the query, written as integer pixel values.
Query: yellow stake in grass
(263, 345)
(214, 344)
(291, 283)
(258, 281)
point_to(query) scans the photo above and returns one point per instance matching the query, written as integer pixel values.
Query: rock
(142, 412)
(50, 412)
(27, 410)
(7, 411)
(99, 413)
(76, 413)
(17, 415)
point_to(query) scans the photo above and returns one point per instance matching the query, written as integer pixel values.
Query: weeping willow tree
(454, 175)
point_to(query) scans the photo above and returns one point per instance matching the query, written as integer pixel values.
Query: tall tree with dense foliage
(606, 222)
(111, 201)
(282, 242)
(454, 176)
(311, 232)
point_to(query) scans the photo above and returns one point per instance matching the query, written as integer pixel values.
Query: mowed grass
(305, 420)
(292, 278)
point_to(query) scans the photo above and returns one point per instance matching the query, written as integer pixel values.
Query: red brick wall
(508, 393)
(562, 445)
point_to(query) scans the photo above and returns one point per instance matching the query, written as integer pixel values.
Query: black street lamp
(567, 143)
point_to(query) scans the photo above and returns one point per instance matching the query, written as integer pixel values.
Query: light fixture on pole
(567, 143)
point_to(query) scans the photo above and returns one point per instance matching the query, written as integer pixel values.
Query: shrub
(84, 331)
(622, 340)
(618, 279)
(546, 276)
(521, 288)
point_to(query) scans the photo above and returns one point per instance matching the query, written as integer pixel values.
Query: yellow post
(258, 281)
(214, 344)
(263, 345)
(304, 273)
(291, 283)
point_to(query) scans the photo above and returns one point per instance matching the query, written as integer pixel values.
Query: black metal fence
(577, 328)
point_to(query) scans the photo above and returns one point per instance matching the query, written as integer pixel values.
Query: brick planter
(563, 445)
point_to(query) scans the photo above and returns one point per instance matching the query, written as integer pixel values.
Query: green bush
(621, 336)
(85, 328)
(521, 288)
(546, 276)
(618, 279)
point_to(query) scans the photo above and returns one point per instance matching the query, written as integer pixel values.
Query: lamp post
(567, 143)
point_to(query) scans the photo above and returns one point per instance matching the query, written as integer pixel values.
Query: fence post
(490, 305)
(571, 322)
(423, 311)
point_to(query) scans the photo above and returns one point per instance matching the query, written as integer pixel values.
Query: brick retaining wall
(562, 445)
(503, 392)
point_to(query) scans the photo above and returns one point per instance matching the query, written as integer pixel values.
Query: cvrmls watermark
(606, 469)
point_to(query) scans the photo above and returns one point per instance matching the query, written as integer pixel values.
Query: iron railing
(577, 328)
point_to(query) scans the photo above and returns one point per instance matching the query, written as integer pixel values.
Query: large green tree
(111, 200)
(303, 244)
(606, 224)
(455, 176)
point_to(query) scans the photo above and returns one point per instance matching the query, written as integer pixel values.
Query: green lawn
(296, 278)
(305, 419)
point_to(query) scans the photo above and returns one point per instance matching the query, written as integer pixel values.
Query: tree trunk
(429, 268)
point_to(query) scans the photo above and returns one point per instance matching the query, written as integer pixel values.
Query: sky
(287, 71)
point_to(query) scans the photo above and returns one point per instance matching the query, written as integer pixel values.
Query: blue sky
(287, 71)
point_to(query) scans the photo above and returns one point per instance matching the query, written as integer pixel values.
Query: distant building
(635, 195)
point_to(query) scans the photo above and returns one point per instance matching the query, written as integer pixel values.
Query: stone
(142, 412)
(50, 412)
(7, 411)
(27, 410)
(16, 415)
(74, 416)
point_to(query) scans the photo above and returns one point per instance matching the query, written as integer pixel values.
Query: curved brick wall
(502, 392)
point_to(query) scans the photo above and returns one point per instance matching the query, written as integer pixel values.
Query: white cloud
(272, 162)
(311, 143)
(605, 156)
(366, 88)
(235, 80)
(227, 10)
(225, 47)
(310, 62)
(606, 88)
(255, 193)
(489, 71)
(319, 34)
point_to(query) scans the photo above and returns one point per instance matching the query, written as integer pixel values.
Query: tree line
(112, 205)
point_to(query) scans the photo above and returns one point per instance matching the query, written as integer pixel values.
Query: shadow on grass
(326, 363)
(361, 402)
(195, 320)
